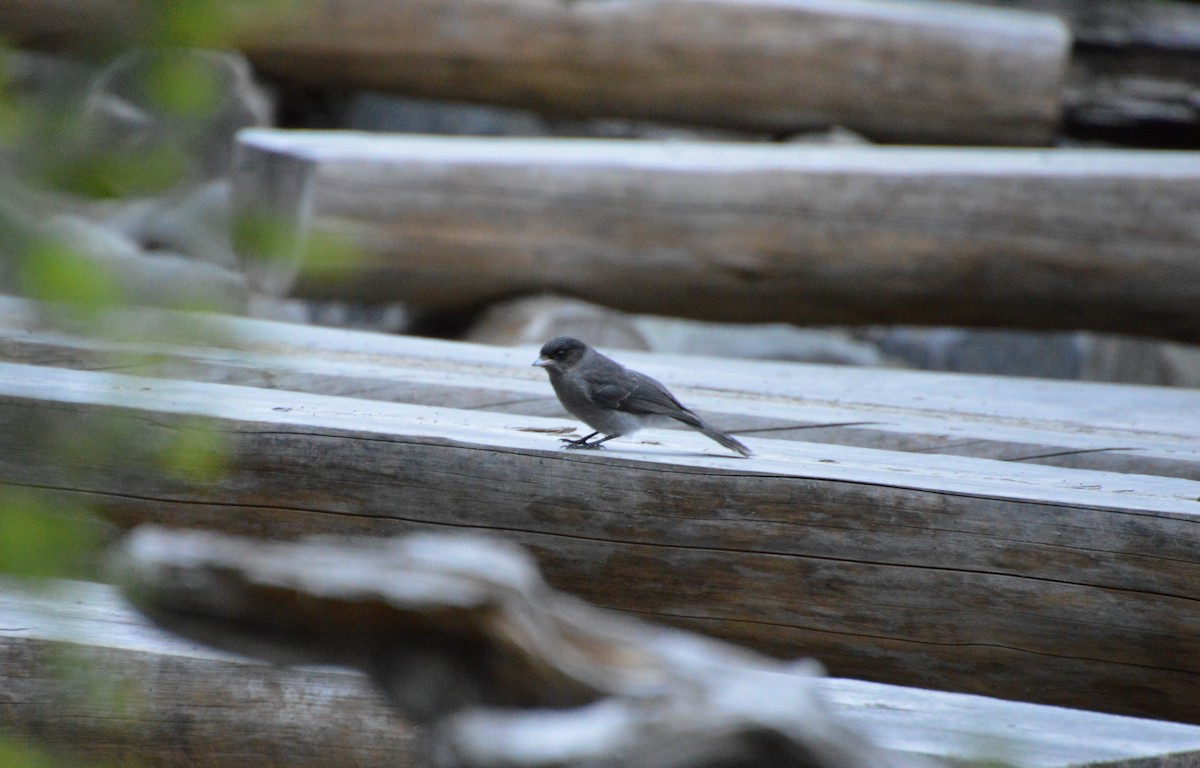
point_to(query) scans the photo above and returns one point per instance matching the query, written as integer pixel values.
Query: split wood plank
(1065, 239)
(1072, 587)
(896, 71)
(1142, 430)
(229, 708)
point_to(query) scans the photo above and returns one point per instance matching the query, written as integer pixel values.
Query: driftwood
(948, 572)
(946, 73)
(1141, 430)
(462, 633)
(1066, 239)
(211, 708)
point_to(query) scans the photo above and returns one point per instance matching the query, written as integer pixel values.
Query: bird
(613, 400)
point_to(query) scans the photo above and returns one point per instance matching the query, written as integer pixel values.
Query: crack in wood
(806, 426)
(1056, 454)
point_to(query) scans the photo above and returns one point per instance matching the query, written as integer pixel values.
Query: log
(917, 72)
(463, 635)
(317, 717)
(82, 673)
(1069, 239)
(1140, 430)
(946, 572)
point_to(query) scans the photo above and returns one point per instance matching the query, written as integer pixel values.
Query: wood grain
(896, 71)
(1067, 239)
(1141, 430)
(1073, 587)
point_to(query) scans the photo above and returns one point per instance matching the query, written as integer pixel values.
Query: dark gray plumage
(613, 400)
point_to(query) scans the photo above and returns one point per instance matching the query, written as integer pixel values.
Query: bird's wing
(641, 394)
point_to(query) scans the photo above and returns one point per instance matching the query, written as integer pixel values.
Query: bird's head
(561, 353)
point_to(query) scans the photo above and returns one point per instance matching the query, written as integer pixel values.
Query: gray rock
(1057, 355)
(369, 111)
(766, 341)
(1140, 361)
(195, 224)
(163, 280)
(1045, 355)
(124, 114)
(535, 319)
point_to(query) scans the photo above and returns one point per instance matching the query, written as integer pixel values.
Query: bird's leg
(581, 442)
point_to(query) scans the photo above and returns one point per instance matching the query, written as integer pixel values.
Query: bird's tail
(711, 432)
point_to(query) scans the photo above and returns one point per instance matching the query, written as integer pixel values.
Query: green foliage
(51, 148)
(41, 537)
(52, 271)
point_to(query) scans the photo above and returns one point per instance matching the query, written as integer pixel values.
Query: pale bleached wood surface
(1142, 430)
(1064, 239)
(323, 717)
(897, 71)
(1073, 587)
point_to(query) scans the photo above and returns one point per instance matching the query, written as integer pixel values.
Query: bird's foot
(580, 444)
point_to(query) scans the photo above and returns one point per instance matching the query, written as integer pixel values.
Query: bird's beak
(542, 362)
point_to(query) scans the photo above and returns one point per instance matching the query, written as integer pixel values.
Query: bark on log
(947, 572)
(904, 72)
(1140, 430)
(1013, 238)
(213, 709)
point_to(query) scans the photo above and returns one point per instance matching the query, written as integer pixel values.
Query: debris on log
(940, 571)
(1068, 239)
(902, 72)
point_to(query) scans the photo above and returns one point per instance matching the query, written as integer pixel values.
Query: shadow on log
(461, 632)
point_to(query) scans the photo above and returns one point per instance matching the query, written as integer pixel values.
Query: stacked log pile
(1019, 539)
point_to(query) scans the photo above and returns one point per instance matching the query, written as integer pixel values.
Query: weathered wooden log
(81, 673)
(203, 701)
(1015, 238)
(947, 572)
(1141, 430)
(462, 633)
(906, 72)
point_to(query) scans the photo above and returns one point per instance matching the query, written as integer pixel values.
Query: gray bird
(612, 399)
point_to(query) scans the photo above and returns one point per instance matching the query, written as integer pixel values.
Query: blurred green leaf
(263, 237)
(115, 173)
(198, 452)
(41, 538)
(329, 256)
(52, 271)
(184, 85)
